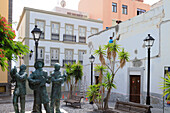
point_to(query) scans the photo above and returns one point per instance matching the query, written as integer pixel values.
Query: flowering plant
(9, 49)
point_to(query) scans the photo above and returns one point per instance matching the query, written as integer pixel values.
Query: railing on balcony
(68, 61)
(70, 38)
(82, 39)
(54, 36)
(53, 62)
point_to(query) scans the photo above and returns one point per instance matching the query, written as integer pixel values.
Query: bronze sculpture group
(37, 82)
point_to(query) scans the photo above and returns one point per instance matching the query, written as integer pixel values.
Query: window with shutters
(94, 30)
(41, 24)
(82, 34)
(68, 57)
(54, 56)
(69, 29)
(69, 33)
(69, 54)
(55, 27)
(80, 55)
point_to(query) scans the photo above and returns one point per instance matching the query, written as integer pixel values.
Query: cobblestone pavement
(86, 108)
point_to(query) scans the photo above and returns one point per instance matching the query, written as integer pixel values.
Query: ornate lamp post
(148, 41)
(36, 32)
(91, 58)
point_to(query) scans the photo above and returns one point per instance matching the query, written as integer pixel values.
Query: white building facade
(155, 22)
(63, 37)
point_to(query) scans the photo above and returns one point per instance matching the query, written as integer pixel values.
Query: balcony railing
(54, 36)
(53, 62)
(70, 38)
(68, 61)
(82, 39)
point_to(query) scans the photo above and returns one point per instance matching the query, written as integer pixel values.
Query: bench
(130, 107)
(75, 100)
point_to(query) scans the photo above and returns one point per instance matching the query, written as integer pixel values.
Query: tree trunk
(107, 98)
(71, 90)
(108, 94)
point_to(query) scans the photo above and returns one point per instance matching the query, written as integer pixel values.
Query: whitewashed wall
(132, 33)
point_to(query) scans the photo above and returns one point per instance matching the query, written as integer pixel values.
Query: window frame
(58, 29)
(123, 9)
(58, 54)
(140, 11)
(114, 5)
(94, 28)
(85, 32)
(72, 29)
(72, 54)
(81, 51)
(44, 26)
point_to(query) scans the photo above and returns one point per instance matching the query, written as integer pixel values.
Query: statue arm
(48, 78)
(21, 78)
(33, 81)
(58, 80)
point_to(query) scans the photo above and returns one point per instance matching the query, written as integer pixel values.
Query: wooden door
(135, 88)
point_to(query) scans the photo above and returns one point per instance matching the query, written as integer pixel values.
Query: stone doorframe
(135, 71)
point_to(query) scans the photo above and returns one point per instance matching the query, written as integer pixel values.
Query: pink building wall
(102, 9)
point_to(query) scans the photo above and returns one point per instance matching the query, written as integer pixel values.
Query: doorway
(135, 81)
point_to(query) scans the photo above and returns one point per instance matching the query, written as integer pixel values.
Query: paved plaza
(7, 107)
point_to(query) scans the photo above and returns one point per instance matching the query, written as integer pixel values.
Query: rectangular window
(80, 55)
(94, 30)
(82, 34)
(41, 24)
(55, 31)
(69, 29)
(54, 56)
(40, 54)
(124, 9)
(69, 54)
(114, 7)
(69, 36)
(140, 11)
(68, 57)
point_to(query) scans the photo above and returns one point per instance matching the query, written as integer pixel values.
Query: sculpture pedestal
(43, 111)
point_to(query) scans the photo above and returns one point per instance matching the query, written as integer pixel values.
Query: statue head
(23, 67)
(39, 64)
(57, 66)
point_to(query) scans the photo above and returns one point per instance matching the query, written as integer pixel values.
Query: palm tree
(124, 57)
(77, 71)
(101, 54)
(107, 47)
(100, 69)
(166, 87)
(69, 76)
(114, 48)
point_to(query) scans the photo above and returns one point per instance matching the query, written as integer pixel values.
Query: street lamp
(91, 58)
(36, 32)
(148, 42)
